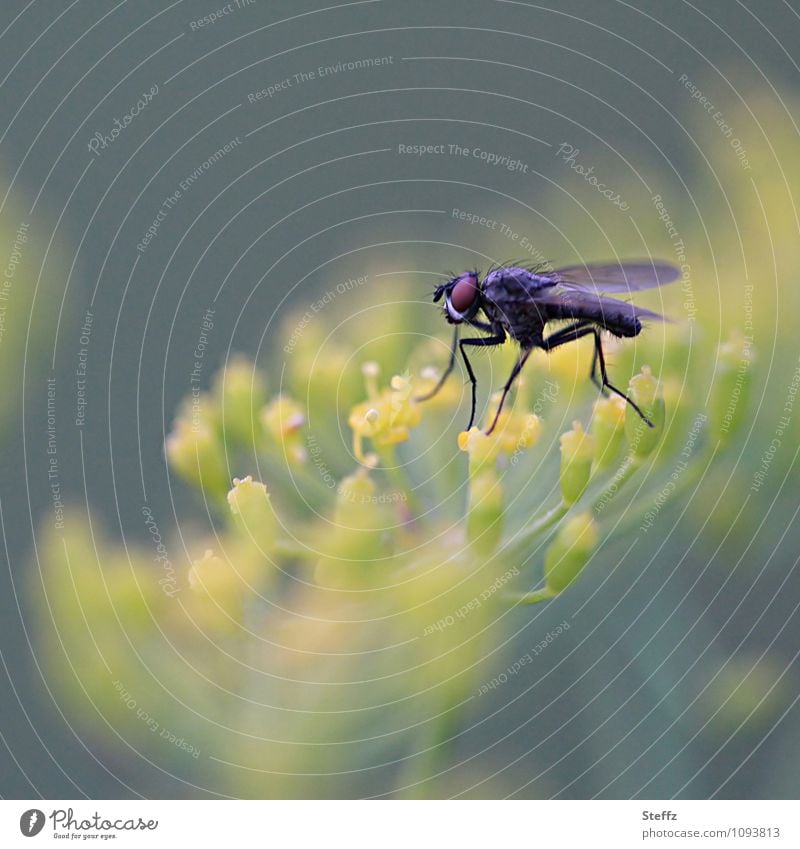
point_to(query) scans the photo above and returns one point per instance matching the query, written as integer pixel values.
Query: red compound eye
(463, 295)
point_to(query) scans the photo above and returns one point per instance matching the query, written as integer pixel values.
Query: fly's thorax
(509, 303)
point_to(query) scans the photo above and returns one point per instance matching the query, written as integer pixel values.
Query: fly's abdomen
(617, 317)
(621, 323)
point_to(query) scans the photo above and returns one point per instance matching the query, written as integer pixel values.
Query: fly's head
(462, 297)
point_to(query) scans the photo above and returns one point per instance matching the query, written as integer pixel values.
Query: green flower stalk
(608, 430)
(569, 552)
(731, 390)
(240, 391)
(577, 455)
(357, 539)
(514, 433)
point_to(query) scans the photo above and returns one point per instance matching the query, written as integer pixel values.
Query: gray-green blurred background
(314, 190)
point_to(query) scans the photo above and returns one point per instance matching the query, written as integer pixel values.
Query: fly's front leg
(512, 377)
(478, 341)
(447, 372)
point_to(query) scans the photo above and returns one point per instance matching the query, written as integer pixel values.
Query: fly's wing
(563, 302)
(615, 276)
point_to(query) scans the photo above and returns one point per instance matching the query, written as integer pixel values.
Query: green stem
(398, 478)
(630, 465)
(522, 540)
(534, 597)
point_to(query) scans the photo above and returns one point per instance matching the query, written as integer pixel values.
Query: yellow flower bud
(482, 449)
(570, 552)
(195, 451)
(645, 392)
(514, 433)
(253, 515)
(217, 590)
(577, 454)
(240, 392)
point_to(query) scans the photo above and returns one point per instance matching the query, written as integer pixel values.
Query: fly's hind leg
(600, 359)
(584, 328)
(593, 373)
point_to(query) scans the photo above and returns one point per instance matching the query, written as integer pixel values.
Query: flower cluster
(359, 536)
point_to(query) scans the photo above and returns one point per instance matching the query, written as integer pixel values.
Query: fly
(519, 302)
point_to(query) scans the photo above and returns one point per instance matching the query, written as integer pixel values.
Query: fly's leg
(577, 331)
(593, 373)
(447, 372)
(598, 349)
(512, 377)
(478, 341)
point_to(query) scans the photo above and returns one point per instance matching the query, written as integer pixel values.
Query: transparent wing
(615, 276)
(565, 303)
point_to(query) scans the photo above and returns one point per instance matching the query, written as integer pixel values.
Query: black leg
(576, 331)
(478, 341)
(447, 372)
(593, 373)
(598, 349)
(512, 377)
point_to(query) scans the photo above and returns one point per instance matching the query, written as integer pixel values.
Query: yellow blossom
(386, 417)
